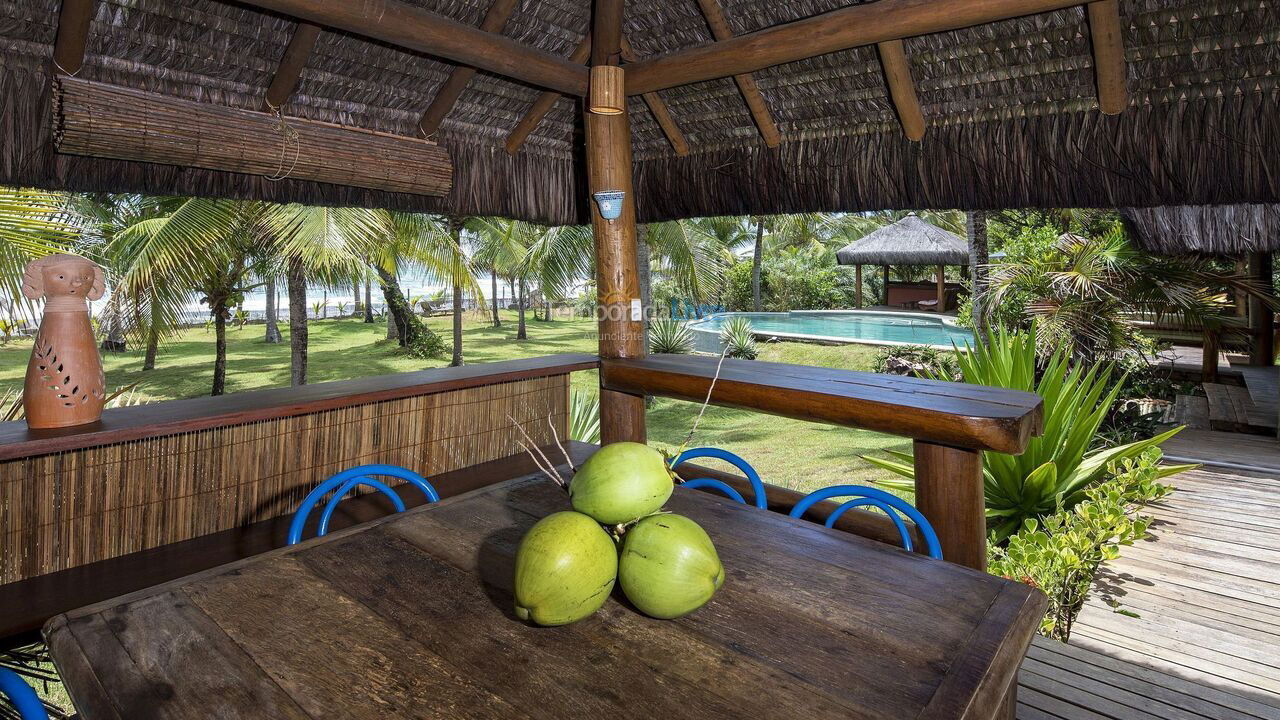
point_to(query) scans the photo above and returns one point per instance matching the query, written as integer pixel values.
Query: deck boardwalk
(1205, 590)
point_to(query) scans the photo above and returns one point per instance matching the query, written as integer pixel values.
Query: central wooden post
(620, 311)
(942, 288)
(857, 271)
(949, 494)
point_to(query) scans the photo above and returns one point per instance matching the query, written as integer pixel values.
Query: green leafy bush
(1057, 467)
(1061, 553)
(740, 339)
(737, 288)
(804, 279)
(424, 343)
(916, 360)
(670, 336)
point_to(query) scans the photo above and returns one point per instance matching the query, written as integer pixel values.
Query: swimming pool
(873, 327)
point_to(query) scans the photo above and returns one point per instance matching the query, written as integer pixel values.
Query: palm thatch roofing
(909, 241)
(1211, 230)
(1011, 110)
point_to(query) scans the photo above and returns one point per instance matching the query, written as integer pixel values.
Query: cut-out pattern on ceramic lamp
(65, 385)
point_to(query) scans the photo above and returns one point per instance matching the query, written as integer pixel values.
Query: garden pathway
(1183, 626)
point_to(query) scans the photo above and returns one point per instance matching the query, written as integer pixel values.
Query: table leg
(1008, 709)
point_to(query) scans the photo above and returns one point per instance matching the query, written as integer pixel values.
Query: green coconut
(621, 482)
(565, 569)
(669, 567)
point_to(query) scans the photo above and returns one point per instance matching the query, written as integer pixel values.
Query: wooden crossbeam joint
(544, 103)
(659, 109)
(73, 35)
(719, 25)
(291, 65)
(902, 89)
(1108, 55)
(494, 22)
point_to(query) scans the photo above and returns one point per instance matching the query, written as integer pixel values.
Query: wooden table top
(411, 617)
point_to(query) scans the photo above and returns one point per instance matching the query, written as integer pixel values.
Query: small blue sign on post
(610, 202)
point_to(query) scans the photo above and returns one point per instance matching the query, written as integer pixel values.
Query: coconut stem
(531, 448)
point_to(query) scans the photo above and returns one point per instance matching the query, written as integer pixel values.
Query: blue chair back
(757, 486)
(21, 696)
(863, 496)
(346, 481)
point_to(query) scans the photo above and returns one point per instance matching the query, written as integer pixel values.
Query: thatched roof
(909, 241)
(1011, 108)
(1213, 229)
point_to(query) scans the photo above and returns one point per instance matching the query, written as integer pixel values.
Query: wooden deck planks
(1206, 591)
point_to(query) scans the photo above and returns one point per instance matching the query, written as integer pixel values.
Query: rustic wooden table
(411, 617)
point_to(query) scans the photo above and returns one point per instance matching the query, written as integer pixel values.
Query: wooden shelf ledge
(954, 414)
(178, 416)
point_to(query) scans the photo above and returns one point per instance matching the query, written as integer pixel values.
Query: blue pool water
(855, 326)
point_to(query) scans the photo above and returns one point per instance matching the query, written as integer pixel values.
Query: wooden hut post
(617, 280)
(942, 288)
(886, 284)
(1261, 319)
(857, 280)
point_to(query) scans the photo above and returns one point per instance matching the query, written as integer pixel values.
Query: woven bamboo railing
(109, 121)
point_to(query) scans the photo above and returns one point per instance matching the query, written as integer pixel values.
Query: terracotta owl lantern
(65, 385)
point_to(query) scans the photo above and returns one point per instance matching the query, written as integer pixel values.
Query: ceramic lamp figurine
(65, 385)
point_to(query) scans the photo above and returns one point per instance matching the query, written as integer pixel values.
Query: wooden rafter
(659, 109)
(854, 26)
(544, 103)
(73, 35)
(407, 26)
(291, 64)
(902, 90)
(494, 21)
(714, 15)
(1108, 56)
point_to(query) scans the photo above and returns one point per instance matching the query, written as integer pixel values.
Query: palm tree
(502, 244)
(694, 253)
(323, 244)
(33, 223)
(426, 241)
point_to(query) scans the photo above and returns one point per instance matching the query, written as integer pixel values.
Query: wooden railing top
(956, 414)
(177, 416)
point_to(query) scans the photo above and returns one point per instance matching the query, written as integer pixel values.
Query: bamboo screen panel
(67, 509)
(108, 121)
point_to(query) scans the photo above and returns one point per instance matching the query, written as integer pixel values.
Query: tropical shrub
(584, 417)
(739, 339)
(425, 343)
(916, 360)
(669, 336)
(804, 279)
(736, 296)
(1061, 553)
(1058, 467)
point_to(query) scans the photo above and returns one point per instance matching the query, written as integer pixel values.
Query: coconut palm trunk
(355, 296)
(756, 260)
(645, 271)
(521, 334)
(297, 282)
(112, 326)
(368, 301)
(493, 282)
(978, 260)
(153, 347)
(273, 322)
(398, 310)
(220, 347)
(455, 229)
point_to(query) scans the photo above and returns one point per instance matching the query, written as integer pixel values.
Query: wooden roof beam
(406, 26)
(291, 64)
(902, 90)
(848, 27)
(73, 35)
(447, 96)
(714, 15)
(1108, 56)
(544, 103)
(659, 109)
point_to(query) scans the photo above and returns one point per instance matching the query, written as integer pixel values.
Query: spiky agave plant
(1057, 467)
(739, 339)
(670, 337)
(584, 417)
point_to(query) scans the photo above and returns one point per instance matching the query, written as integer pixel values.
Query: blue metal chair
(21, 696)
(757, 486)
(892, 505)
(345, 482)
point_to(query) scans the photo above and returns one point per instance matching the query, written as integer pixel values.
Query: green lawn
(796, 454)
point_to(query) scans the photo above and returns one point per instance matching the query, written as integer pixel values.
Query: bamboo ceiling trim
(108, 121)
(64, 510)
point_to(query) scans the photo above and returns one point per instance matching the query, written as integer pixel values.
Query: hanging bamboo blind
(109, 121)
(62, 510)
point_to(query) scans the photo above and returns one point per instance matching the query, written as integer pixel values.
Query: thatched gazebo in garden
(605, 112)
(909, 241)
